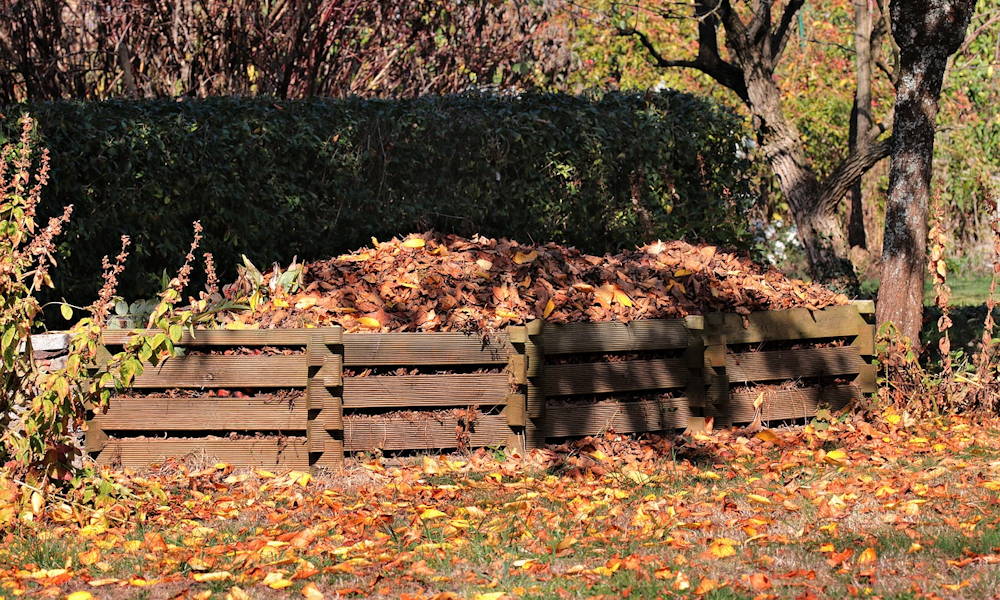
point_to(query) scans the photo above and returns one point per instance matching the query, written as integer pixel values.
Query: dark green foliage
(317, 177)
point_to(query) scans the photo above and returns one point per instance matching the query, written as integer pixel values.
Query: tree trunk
(861, 115)
(927, 32)
(819, 229)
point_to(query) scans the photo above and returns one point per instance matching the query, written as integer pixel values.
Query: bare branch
(779, 39)
(847, 173)
(655, 54)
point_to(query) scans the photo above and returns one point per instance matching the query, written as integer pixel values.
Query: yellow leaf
(311, 592)
(265, 474)
(681, 272)
(276, 581)
(369, 322)
(722, 548)
(836, 457)
(638, 477)
(80, 595)
(758, 400)
(868, 556)
(280, 303)
(506, 314)
(103, 582)
(598, 455)
(414, 243)
(432, 513)
(213, 576)
(622, 298)
(300, 477)
(993, 486)
(758, 499)
(521, 258)
(711, 475)
(484, 264)
(827, 548)
(489, 596)
(768, 436)
(549, 307)
(37, 502)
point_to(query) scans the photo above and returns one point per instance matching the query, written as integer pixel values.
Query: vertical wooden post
(324, 405)
(526, 341)
(694, 358)
(716, 381)
(865, 343)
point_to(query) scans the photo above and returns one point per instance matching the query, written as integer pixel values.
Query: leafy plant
(315, 178)
(39, 410)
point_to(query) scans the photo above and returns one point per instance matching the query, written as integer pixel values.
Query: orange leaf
(521, 258)
(867, 556)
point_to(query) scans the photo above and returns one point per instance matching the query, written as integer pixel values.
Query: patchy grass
(904, 510)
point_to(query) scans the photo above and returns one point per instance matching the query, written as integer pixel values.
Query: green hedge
(316, 177)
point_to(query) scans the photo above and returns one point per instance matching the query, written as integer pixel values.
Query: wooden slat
(197, 371)
(792, 364)
(234, 337)
(157, 413)
(790, 404)
(430, 348)
(622, 417)
(636, 336)
(266, 453)
(608, 377)
(426, 390)
(425, 433)
(792, 324)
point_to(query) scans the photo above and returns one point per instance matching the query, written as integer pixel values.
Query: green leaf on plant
(67, 311)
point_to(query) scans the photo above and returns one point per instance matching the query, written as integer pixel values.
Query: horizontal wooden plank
(267, 453)
(792, 364)
(158, 413)
(235, 337)
(428, 348)
(609, 377)
(208, 371)
(790, 404)
(635, 336)
(426, 390)
(623, 417)
(428, 433)
(792, 324)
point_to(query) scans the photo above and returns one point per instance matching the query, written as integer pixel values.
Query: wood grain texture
(622, 417)
(792, 364)
(790, 404)
(792, 324)
(428, 348)
(426, 434)
(204, 371)
(426, 390)
(292, 453)
(154, 413)
(609, 377)
(235, 337)
(636, 336)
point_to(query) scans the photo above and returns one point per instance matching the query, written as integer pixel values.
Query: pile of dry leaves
(437, 282)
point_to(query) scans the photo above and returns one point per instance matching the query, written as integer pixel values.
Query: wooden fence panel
(402, 391)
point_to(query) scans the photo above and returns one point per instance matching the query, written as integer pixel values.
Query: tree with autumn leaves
(740, 47)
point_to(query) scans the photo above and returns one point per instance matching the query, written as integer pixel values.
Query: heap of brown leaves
(437, 282)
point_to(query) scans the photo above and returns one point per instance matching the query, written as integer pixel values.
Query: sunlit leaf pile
(448, 283)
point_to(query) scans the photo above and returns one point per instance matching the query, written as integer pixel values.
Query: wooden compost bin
(524, 385)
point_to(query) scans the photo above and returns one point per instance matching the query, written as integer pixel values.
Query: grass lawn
(968, 290)
(849, 509)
